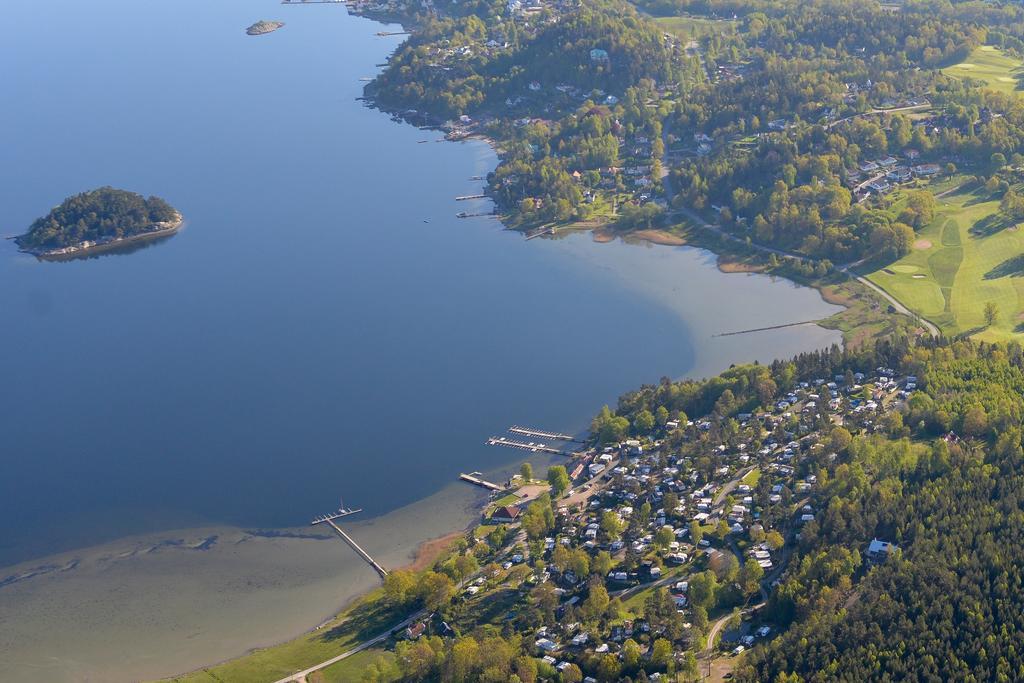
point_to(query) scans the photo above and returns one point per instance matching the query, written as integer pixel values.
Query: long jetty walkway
(764, 329)
(355, 546)
(345, 512)
(527, 431)
(526, 446)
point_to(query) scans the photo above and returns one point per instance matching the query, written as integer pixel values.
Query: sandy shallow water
(162, 604)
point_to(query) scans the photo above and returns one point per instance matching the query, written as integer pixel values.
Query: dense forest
(459, 65)
(102, 214)
(562, 92)
(788, 105)
(950, 606)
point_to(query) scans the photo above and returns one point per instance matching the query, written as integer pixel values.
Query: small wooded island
(99, 220)
(261, 27)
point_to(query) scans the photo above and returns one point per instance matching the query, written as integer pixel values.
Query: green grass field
(366, 618)
(998, 70)
(692, 28)
(967, 257)
(752, 477)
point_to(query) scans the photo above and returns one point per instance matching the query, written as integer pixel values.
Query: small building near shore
(506, 514)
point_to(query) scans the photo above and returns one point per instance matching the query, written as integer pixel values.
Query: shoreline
(430, 548)
(76, 251)
(427, 552)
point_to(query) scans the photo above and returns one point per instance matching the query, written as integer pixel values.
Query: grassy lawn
(692, 28)
(509, 499)
(967, 257)
(351, 669)
(364, 619)
(752, 477)
(998, 70)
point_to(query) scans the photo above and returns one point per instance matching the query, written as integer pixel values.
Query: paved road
(912, 107)
(300, 676)
(693, 216)
(893, 301)
(730, 486)
(896, 304)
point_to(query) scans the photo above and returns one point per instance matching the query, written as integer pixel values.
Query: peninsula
(99, 220)
(261, 27)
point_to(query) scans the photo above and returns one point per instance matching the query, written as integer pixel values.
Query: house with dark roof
(506, 514)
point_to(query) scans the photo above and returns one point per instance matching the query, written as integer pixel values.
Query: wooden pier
(539, 232)
(527, 431)
(526, 446)
(345, 512)
(475, 478)
(355, 546)
(765, 329)
(470, 196)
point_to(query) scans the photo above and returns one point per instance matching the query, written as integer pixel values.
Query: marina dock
(527, 431)
(475, 478)
(341, 512)
(526, 446)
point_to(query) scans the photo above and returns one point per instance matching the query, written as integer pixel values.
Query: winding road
(893, 301)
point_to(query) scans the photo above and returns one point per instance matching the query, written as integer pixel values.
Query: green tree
(597, 600)
(398, 586)
(611, 525)
(526, 471)
(991, 313)
(750, 576)
(559, 479)
(435, 590)
(702, 589)
(696, 532)
(608, 668)
(661, 653)
(466, 565)
(609, 427)
(572, 674)
(526, 669)
(643, 423)
(630, 655)
(689, 667)
(602, 563)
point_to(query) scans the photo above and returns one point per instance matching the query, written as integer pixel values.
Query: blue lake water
(324, 325)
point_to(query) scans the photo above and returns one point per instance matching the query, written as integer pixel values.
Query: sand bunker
(922, 244)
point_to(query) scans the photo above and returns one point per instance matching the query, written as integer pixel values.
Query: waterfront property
(261, 353)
